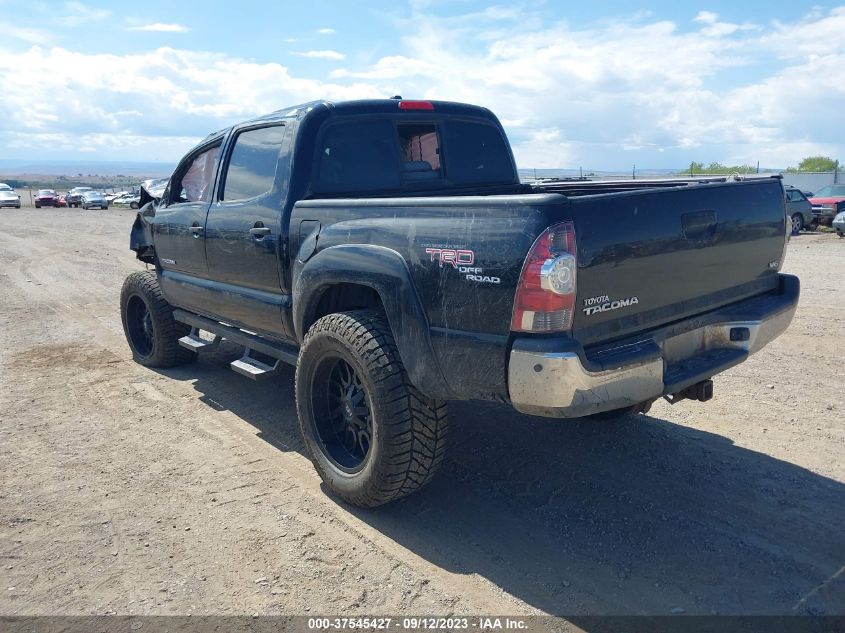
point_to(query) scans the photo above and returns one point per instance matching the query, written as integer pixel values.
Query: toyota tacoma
(388, 249)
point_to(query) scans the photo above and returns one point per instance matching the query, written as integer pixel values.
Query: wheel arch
(353, 276)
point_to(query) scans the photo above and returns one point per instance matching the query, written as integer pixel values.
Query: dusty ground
(139, 492)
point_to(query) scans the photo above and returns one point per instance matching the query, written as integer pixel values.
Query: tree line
(808, 164)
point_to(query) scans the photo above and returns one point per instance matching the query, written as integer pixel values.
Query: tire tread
(415, 427)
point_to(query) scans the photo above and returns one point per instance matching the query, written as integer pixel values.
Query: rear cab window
(389, 155)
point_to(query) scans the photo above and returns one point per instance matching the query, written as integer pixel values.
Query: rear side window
(252, 166)
(476, 153)
(358, 156)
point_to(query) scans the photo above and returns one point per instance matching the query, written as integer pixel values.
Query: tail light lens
(545, 296)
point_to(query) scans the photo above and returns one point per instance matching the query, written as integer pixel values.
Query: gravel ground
(131, 491)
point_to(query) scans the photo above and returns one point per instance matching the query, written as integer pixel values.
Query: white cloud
(117, 102)
(602, 95)
(79, 14)
(334, 55)
(326, 31)
(161, 27)
(31, 35)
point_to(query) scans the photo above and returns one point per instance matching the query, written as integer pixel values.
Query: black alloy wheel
(139, 326)
(344, 422)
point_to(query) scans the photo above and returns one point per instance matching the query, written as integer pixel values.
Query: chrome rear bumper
(554, 383)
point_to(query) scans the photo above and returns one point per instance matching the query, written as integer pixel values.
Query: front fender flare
(385, 271)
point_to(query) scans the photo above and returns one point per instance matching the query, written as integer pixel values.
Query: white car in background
(8, 197)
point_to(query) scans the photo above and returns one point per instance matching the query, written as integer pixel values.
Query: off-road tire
(159, 347)
(408, 429)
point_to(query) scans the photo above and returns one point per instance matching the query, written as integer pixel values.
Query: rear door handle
(196, 230)
(260, 231)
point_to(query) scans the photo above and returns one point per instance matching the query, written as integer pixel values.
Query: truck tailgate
(650, 257)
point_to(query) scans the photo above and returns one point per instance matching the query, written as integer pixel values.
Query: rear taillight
(545, 296)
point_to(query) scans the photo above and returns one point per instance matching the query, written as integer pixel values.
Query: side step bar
(195, 343)
(253, 368)
(246, 365)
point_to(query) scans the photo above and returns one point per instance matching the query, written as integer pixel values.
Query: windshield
(831, 191)
(5, 187)
(46, 192)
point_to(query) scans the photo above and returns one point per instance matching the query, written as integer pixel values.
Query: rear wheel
(797, 222)
(151, 331)
(372, 436)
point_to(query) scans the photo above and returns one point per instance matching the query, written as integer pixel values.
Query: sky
(599, 85)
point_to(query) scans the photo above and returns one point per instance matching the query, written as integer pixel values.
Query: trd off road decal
(461, 260)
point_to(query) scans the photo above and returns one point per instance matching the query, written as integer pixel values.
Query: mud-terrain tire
(372, 436)
(151, 331)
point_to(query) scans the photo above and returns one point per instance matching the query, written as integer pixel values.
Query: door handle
(260, 231)
(196, 230)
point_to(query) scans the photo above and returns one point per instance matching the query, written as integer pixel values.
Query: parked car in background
(91, 199)
(839, 224)
(74, 196)
(127, 201)
(112, 196)
(828, 202)
(45, 198)
(62, 201)
(8, 197)
(798, 208)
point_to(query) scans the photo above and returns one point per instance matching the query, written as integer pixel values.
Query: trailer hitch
(701, 391)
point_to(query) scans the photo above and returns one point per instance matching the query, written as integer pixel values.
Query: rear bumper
(555, 377)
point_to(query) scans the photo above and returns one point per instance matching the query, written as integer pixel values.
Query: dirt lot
(186, 491)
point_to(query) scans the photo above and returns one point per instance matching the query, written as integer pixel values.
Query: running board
(253, 368)
(195, 343)
(285, 353)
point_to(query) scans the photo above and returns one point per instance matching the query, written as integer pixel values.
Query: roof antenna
(396, 97)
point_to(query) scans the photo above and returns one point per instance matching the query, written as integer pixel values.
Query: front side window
(198, 180)
(252, 166)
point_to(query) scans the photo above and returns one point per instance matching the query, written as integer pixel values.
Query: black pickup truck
(388, 249)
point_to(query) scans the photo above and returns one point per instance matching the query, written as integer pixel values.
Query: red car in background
(827, 202)
(45, 198)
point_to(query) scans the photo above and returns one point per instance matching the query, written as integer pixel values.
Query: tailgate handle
(699, 225)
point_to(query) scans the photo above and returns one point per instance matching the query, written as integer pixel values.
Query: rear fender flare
(385, 271)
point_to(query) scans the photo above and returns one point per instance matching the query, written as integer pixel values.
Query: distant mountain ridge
(20, 167)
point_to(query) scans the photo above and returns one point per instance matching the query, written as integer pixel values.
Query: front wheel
(372, 436)
(151, 331)
(797, 223)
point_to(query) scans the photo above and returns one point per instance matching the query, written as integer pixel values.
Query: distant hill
(18, 167)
